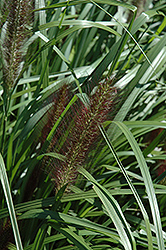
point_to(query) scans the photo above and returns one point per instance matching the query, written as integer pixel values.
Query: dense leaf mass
(82, 157)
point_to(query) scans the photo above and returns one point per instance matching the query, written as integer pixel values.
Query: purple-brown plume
(77, 132)
(14, 34)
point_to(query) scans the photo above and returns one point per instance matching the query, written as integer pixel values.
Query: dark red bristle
(76, 133)
(17, 18)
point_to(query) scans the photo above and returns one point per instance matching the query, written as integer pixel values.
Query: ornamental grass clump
(77, 131)
(17, 18)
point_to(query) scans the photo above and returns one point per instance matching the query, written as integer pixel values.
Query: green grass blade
(44, 54)
(46, 40)
(8, 196)
(139, 83)
(70, 220)
(39, 240)
(76, 239)
(110, 2)
(138, 124)
(134, 191)
(9, 153)
(128, 32)
(79, 24)
(148, 183)
(114, 212)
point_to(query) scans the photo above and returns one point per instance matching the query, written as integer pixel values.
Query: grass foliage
(82, 125)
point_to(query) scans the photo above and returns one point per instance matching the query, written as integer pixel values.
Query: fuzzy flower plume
(59, 103)
(77, 132)
(6, 234)
(14, 34)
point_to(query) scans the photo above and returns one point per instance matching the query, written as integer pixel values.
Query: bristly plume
(58, 103)
(6, 234)
(77, 132)
(14, 34)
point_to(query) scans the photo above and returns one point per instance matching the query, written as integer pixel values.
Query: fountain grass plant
(82, 131)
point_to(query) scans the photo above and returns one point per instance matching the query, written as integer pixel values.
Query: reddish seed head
(76, 133)
(14, 35)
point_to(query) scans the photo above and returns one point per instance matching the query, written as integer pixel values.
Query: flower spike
(14, 34)
(77, 132)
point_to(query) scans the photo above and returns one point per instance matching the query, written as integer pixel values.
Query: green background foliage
(118, 198)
